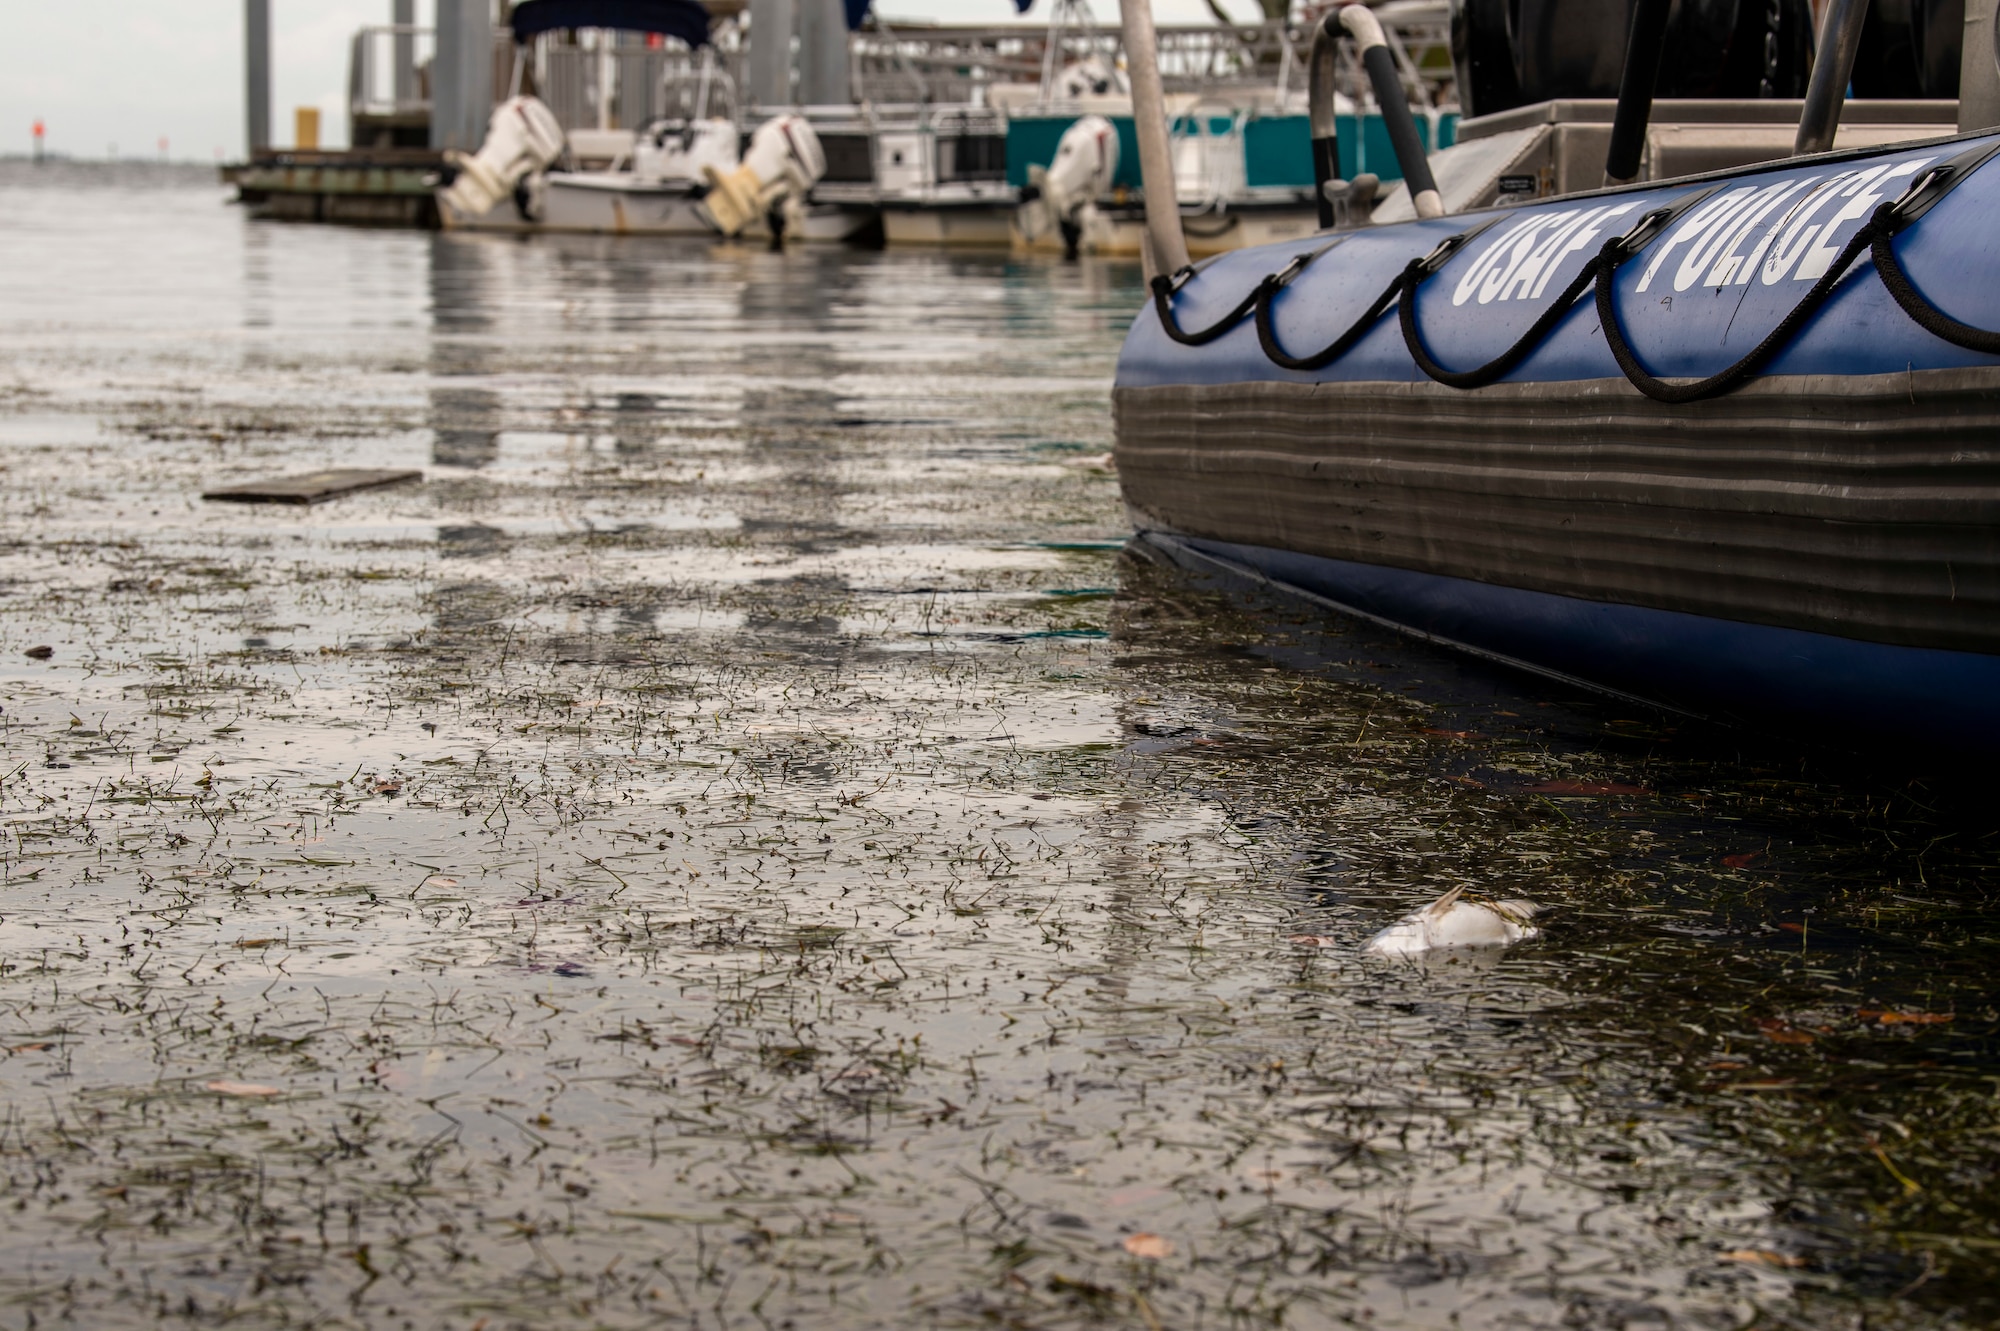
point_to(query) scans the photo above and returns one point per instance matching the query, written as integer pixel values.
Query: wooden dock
(356, 186)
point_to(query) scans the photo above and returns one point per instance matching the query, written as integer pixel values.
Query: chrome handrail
(1379, 61)
(1322, 97)
(403, 62)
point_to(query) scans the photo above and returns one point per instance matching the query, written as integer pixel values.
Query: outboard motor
(522, 138)
(785, 160)
(1064, 194)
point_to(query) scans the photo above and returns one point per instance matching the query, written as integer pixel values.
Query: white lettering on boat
(1710, 239)
(1861, 196)
(1709, 213)
(1727, 261)
(1529, 253)
(1798, 228)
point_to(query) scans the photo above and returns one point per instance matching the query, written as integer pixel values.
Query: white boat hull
(998, 227)
(988, 226)
(822, 224)
(1207, 233)
(502, 216)
(593, 203)
(574, 204)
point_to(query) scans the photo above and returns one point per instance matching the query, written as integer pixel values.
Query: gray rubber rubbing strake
(1723, 508)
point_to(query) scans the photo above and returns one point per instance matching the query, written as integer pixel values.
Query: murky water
(743, 844)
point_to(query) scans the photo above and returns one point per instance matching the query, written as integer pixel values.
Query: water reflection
(465, 290)
(472, 541)
(635, 423)
(258, 296)
(1759, 1005)
(465, 293)
(782, 860)
(465, 427)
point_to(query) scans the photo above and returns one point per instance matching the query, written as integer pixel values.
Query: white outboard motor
(784, 161)
(522, 138)
(1064, 194)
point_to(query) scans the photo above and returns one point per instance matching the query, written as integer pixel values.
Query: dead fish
(1449, 922)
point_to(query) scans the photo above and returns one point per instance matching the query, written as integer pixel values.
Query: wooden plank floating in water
(310, 487)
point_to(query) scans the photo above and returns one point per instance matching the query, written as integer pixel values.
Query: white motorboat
(545, 167)
(657, 193)
(942, 179)
(654, 188)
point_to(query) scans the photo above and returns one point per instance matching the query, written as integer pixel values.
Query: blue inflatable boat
(1727, 443)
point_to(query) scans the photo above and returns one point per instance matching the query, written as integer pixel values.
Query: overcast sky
(105, 73)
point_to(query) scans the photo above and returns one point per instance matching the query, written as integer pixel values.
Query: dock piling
(462, 74)
(823, 68)
(403, 14)
(257, 73)
(1166, 247)
(771, 23)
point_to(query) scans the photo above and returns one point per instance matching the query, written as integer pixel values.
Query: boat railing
(946, 64)
(388, 73)
(1354, 31)
(1208, 162)
(619, 81)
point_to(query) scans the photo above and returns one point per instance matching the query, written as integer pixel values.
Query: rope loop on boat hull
(1913, 302)
(1267, 333)
(1493, 370)
(1745, 369)
(1164, 287)
(1876, 237)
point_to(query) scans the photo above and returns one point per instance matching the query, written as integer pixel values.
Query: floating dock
(359, 186)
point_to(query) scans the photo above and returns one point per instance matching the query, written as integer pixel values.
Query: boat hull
(825, 224)
(1821, 503)
(969, 226)
(1818, 548)
(593, 204)
(1120, 233)
(627, 210)
(1839, 691)
(1117, 234)
(598, 208)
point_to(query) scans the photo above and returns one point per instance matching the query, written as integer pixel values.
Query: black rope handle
(1503, 363)
(1927, 316)
(1649, 227)
(1267, 334)
(1164, 288)
(1167, 286)
(1876, 236)
(1413, 275)
(1723, 381)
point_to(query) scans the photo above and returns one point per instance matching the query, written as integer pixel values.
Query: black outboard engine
(1510, 53)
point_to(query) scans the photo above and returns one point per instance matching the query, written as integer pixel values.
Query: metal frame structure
(950, 64)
